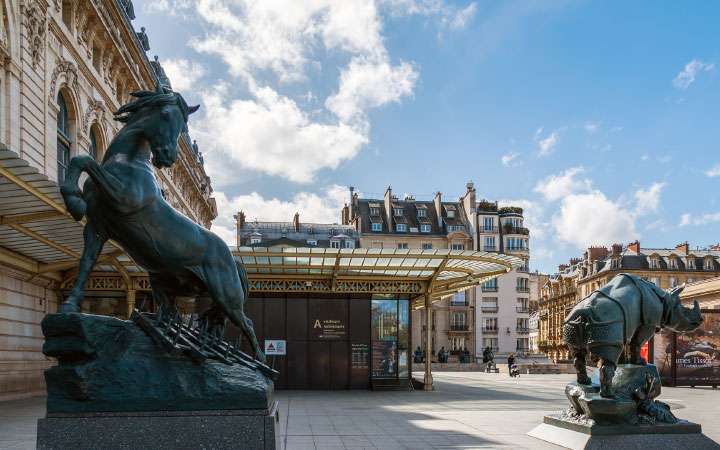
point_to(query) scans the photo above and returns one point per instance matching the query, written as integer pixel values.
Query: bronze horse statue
(122, 201)
(626, 311)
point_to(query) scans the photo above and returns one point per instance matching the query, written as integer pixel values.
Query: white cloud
(686, 77)
(271, 134)
(556, 187)
(285, 41)
(366, 84)
(592, 127)
(510, 159)
(648, 200)
(713, 171)
(547, 144)
(592, 218)
(316, 208)
(697, 220)
(183, 74)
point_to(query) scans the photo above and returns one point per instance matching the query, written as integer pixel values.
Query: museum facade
(67, 66)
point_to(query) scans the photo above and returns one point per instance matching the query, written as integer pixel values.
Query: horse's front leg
(106, 182)
(91, 251)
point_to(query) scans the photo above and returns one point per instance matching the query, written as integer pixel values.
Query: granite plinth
(591, 436)
(161, 430)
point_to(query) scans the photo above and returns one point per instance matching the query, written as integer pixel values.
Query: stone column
(130, 302)
(428, 380)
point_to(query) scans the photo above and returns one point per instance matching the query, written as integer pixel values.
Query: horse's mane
(159, 97)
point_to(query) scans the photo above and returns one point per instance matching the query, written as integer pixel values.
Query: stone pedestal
(589, 436)
(161, 430)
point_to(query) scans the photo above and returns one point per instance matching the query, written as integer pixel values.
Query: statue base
(591, 436)
(162, 430)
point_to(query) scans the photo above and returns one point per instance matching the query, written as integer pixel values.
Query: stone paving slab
(469, 410)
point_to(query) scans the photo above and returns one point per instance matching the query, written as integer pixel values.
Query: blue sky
(600, 118)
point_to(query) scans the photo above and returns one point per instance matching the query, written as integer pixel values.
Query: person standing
(510, 362)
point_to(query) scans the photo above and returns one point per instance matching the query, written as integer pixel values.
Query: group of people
(442, 355)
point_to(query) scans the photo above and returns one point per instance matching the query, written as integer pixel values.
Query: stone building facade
(67, 65)
(471, 319)
(665, 267)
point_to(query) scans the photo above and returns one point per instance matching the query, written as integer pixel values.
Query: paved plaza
(468, 410)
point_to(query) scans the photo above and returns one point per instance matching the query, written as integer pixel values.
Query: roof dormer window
(691, 263)
(709, 263)
(422, 212)
(374, 211)
(654, 262)
(397, 212)
(673, 263)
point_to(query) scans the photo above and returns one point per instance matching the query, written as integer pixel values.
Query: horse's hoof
(68, 308)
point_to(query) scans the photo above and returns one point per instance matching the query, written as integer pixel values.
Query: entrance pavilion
(345, 313)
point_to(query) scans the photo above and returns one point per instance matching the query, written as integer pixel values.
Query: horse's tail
(243, 277)
(74, 201)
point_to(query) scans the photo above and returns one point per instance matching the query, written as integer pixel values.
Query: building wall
(22, 307)
(88, 53)
(509, 311)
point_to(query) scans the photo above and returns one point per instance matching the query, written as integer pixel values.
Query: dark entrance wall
(328, 339)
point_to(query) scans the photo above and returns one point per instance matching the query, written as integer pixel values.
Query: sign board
(328, 329)
(275, 347)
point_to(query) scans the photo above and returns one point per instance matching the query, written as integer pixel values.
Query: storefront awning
(439, 272)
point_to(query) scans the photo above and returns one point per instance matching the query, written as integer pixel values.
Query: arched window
(63, 138)
(95, 142)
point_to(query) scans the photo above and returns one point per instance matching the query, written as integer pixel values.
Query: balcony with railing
(491, 288)
(523, 269)
(523, 289)
(489, 330)
(522, 330)
(490, 248)
(517, 249)
(459, 328)
(509, 229)
(522, 349)
(489, 309)
(522, 309)
(489, 230)
(462, 304)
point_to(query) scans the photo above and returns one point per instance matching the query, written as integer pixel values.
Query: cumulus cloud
(271, 134)
(586, 216)
(686, 77)
(713, 171)
(269, 45)
(648, 200)
(183, 74)
(366, 83)
(510, 159)
(316, 208)
(698, 220)
(556, 187)
(592, 218)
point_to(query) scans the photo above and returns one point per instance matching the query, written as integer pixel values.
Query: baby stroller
(514, 370)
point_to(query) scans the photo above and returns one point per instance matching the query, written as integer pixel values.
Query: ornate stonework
(67, 68)
(36, 25)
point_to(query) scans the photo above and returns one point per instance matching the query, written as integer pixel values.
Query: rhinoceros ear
(677, 290)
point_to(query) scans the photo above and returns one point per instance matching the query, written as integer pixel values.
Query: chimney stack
(438, 208)
(239, 224)
(634, 247)
(616, 249)
(351, 210)
(296, 222)
(683, 248)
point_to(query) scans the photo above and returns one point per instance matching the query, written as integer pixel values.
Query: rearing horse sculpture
(122, 201)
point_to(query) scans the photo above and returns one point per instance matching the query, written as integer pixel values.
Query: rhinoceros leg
(607, 372)
(641, 336)
(580, 366)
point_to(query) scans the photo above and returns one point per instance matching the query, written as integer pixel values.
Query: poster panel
(662, 351)
(697, 354)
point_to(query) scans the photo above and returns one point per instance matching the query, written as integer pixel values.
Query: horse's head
(161, 115)
(678, 317)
